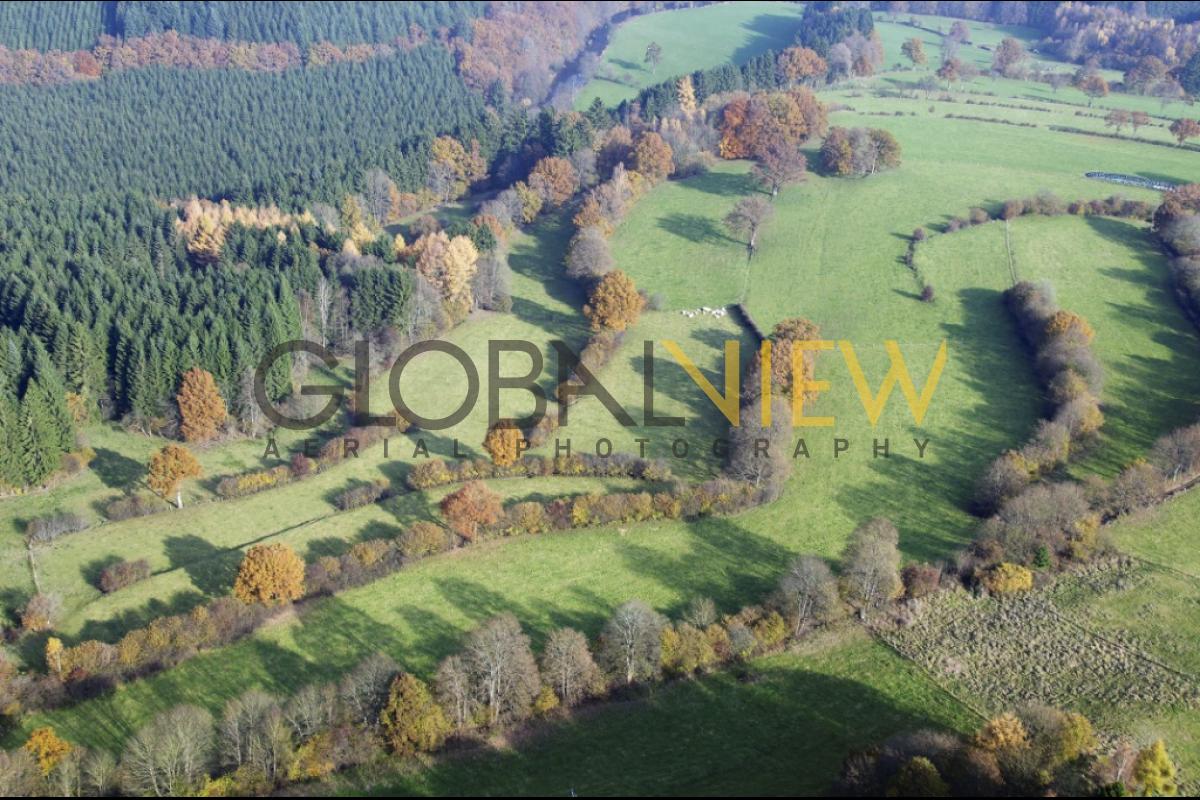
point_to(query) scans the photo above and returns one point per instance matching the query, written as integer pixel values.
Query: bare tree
(568, 666)
(452, 685)
(780, 164)
(253, 731)
(871, 565)
(364, 689)
(761, 454)
(503, 671)
(312, 709)
(632, 642)
(747, 217)
(378, 192)
(588, 255)
(171, 754)
(809, 591)
(323, 302)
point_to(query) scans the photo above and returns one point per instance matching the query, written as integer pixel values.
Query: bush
(253, 482)
(135, 505)
(362, 495)
(424, 539)
(1005, 578)
(41, 530)
(122, 574)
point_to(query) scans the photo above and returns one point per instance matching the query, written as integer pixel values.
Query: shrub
(424, 539)
(1006, 578)
(130, 506)
(361, 496)
(253, 482)
(122, 574)
(41, 530)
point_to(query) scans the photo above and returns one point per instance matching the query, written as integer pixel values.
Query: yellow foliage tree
(653, 157)
(614, 303)
(555, 179)
(270, 574)
(1005, 732)
(54, 650)
(504, 442)
(1155, 772)
(412, 720)
(201, 409)
(47, 748)
(169, 468)
(1068, 322)
(1007, 578)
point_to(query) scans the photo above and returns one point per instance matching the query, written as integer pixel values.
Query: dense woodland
(71, 26)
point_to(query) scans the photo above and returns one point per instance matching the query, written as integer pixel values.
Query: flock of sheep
(702, 310)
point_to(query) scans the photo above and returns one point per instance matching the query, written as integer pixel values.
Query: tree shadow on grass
(210, 569)
(724, 184)
(695, 228)
(116, 471)
(112, 629)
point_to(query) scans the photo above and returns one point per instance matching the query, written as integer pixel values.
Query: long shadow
(695, 228)
(729, 733)
(116, 471)
(210, 569)
(770, 31)
(113, 628)
(725, 184)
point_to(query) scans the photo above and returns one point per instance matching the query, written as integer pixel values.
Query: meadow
(691, 39)
(832, 253)
(779, 725)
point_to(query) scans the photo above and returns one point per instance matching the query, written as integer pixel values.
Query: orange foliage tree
(270, 574)
(469, 508)
(750, 124)
(201, 409)
(615, 303)
(169, 468)
(554, 179)
(653, 157)
(504, 442)
(802, 64)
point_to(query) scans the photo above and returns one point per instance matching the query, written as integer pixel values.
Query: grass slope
(691, 39)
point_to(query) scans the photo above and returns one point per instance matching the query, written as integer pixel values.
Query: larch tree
(47, 748)
(202, 411)
(412, 720)
(169, 468)
(614, 303)
(270, 574)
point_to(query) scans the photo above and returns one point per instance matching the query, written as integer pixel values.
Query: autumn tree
(859, 151)
(871, 566)
(802, 65)
(631, 642)
(749, 123)
(614, 303)
(470, 508)
(41, 612)
(568, 666)
(504, 442)
(1184, 129)
(1117, 119)
(653, 157)
(1008, 57)
(47, 748)
(270, 574)
(169, 468)
(653, 57)
(412, 720)
(778, 165)
(950, 71)
(455, 166)
(914, 50)
(589, 255)
(555, 179)
(747, 217)
(449, 264)
(1092, 84)
(1155, 772)
(201, 408)
(1138, 119)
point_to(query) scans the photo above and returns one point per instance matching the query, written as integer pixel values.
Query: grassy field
(780, 726)
(833, 254)
(691, 39)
